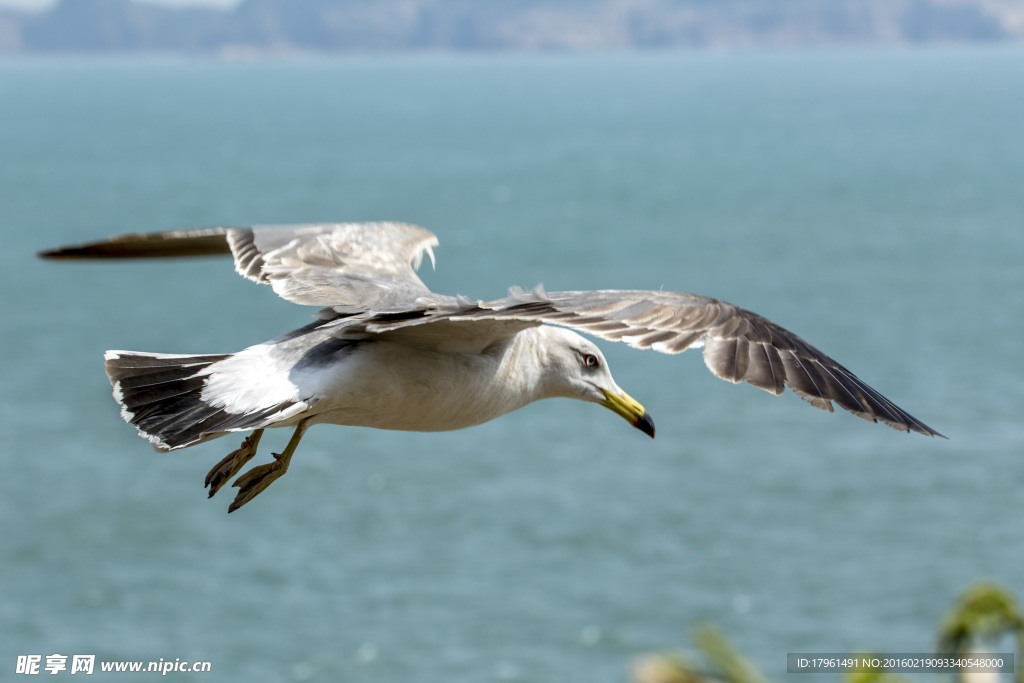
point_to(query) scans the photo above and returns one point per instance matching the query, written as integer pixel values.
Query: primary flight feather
(386, 352)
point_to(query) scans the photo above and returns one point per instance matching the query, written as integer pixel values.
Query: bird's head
(576, 368)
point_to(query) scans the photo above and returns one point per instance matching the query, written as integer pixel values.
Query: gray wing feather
(739, 346)
(360, 266)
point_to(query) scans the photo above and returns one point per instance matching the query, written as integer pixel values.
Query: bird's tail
(161, 394)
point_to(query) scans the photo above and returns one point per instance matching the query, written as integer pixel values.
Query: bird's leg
(235, 461)
(253, 482)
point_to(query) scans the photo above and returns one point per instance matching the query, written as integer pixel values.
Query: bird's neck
(532, 367)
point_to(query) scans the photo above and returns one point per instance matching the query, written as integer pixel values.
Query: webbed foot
(256, 480)
(233, 463)
(253, 482)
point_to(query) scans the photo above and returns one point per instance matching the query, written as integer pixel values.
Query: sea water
(870, 200)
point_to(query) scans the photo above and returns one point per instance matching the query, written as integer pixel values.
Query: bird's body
(388, 353)
(396, 381)
(388, 383)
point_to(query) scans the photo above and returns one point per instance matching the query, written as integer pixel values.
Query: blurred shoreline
(256, 27)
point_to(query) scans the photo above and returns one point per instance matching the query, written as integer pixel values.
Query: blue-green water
(871, 201)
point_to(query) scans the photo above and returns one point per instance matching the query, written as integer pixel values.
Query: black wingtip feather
(178, 243)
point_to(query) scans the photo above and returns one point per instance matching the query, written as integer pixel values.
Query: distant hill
(410, 25)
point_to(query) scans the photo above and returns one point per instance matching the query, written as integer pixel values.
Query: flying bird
(386, 352)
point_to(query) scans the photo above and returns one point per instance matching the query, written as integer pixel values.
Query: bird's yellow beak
(628, 407)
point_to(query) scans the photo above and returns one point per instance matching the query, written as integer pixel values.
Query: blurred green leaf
(727, 660)
(985, 611)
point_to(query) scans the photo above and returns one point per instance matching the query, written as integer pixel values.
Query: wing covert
(353, 265)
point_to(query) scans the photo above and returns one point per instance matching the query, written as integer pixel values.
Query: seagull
(386, 352)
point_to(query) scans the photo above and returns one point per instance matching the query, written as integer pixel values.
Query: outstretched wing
(355, 266)
(739, 346)
(370, 268)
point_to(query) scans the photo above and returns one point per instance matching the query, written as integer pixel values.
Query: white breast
(387, 385)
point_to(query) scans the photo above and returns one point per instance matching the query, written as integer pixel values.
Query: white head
(575, 368)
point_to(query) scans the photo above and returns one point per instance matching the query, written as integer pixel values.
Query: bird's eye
(590, 360)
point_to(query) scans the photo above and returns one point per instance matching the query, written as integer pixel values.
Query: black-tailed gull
(386, 352)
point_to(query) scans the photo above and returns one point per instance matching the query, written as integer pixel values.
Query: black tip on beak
(645, 424)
